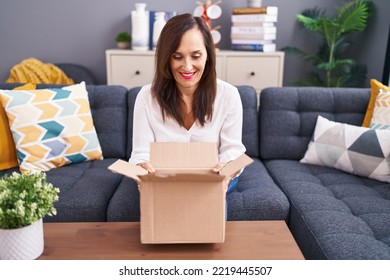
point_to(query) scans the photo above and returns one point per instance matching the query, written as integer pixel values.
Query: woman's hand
(218, 167)
(147, 166)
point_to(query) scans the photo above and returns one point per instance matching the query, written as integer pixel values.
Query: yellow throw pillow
(375, 87)
(8, 158)
(51, 127)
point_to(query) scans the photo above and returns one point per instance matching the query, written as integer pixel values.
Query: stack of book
(253, 29)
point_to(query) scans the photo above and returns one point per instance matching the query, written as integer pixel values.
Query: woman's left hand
(218, 167)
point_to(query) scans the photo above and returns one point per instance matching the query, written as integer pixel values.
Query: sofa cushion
(132, 96)
(110, 112)
(256, 196)
(124, 205)
(51, 127)
(8, 158)
(288, 116)
(250, 137)
(354, 149)
(333, 214)
(85, 190)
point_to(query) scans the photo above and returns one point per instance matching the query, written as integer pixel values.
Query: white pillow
(353, 149)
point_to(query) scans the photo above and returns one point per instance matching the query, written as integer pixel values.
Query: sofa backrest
(250, 137)
(287, 116)
(133, 92)
(109, 111)
(249, 130)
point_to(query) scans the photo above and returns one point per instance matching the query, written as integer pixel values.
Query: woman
(186, 102)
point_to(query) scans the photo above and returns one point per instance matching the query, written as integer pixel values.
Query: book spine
(251, 42)
(254, 47)
(269, 10)
(249, 36)
(254, 23)
(253, 29)
(254, 18)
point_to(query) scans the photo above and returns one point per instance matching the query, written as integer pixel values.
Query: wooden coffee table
(245, 240)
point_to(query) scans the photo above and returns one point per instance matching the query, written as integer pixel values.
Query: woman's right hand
(147, 166)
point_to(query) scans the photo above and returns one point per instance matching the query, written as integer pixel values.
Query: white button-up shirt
(225, 128)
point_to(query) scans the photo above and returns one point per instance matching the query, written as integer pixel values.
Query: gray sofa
(332, 215)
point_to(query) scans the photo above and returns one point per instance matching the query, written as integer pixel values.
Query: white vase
(140, 27)
(24, 243)
(158, 25)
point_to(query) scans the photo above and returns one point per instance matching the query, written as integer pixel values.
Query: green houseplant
(332, 69)
(24, 200)
(123, 40)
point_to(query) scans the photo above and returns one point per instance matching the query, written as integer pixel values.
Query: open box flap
(236, 165)
(127, 169)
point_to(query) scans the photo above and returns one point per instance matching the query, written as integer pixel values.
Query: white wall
(79, 31)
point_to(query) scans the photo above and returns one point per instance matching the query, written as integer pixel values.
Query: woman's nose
(187, 64)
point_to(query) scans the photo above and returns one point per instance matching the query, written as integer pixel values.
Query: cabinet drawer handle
(253, 73)
(137, 72)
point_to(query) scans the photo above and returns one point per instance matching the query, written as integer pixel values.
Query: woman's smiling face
(189, 60)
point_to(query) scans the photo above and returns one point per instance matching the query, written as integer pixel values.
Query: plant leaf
(313, 79)
(313, 24)
(353, 16)
(300, 53)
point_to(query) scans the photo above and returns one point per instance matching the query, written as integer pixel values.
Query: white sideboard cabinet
(136, 68)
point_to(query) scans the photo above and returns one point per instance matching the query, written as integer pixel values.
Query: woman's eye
(196, 56)
(177, 57)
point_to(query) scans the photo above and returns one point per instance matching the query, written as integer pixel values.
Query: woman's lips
(187, 75)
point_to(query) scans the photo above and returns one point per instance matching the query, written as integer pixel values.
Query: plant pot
(123, 45)
(24, 243)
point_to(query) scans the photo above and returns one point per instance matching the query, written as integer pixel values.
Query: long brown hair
(164, 87)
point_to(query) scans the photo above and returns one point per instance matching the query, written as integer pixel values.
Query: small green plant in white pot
(24, 200)
(123, 40)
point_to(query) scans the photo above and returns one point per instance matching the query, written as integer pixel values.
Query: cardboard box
(184, 200)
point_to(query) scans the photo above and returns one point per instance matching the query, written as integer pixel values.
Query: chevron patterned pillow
(353, 149)
(51, 127)
(381, 115)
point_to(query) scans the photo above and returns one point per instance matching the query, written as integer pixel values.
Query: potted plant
(24, 200)
(332, 69)
(123, 40)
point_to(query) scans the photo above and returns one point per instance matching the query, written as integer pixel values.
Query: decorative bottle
(140, 27)
(158, 25)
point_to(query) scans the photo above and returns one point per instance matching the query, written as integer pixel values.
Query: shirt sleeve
(231, 146)
(142, 131)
